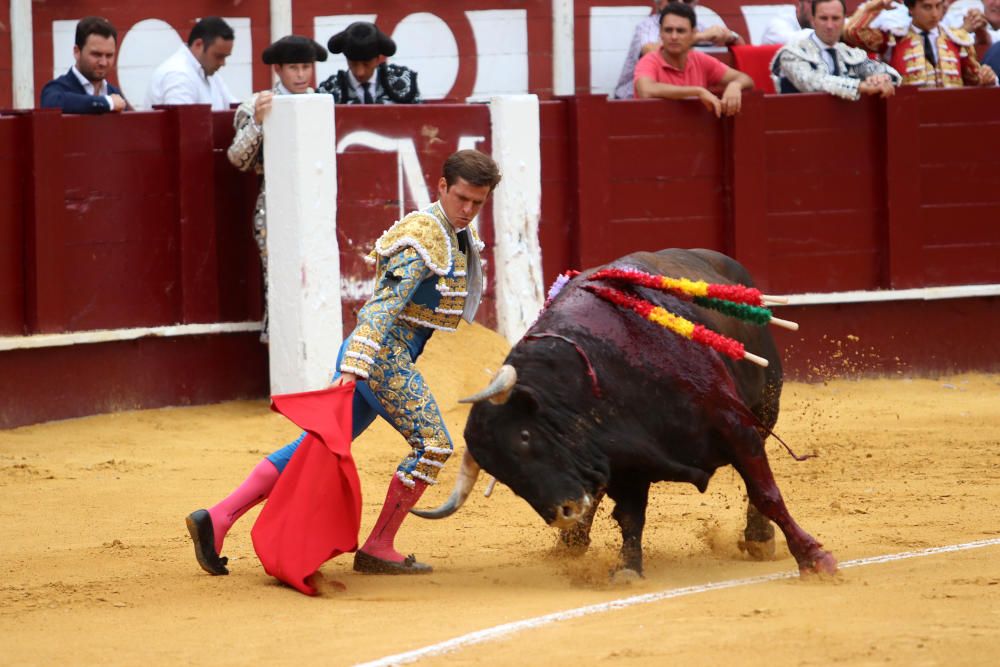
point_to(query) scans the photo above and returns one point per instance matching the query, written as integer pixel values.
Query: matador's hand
(262, 106)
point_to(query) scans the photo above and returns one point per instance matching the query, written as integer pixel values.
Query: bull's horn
(467, 476)
(500, 387)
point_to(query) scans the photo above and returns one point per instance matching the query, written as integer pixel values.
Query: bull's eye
(524, 443)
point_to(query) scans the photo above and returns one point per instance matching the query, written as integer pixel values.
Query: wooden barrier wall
(138, 220)
(812, 193)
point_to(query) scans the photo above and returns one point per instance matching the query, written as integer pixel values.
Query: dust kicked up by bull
(667, 409)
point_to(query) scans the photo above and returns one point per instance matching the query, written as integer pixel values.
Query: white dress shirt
(180, 79)
(374, 89)
(827, 57)
(784, 30)
(100, 89)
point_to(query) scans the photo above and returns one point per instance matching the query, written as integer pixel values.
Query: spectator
(927, 53)
(646, 38)
(368, 79)
(978, 17)
(675, 71)
(85, 88)
(292, 58)
(190, 75)
(821, 63)
(713, 35)
(992, 57)
(783, 30)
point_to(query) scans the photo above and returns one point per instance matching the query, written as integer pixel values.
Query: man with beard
(85, 88)
(191, 74)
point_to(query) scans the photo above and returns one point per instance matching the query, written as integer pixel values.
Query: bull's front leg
(577, 539)
(630, 513)
(758, 536)
(750, 461)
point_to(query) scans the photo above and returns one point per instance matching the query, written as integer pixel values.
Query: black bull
(595, 400)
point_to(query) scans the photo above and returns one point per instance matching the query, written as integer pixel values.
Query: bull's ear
(525, 398)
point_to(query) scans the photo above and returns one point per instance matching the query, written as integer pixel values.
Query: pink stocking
(255, 488)
(398, 501)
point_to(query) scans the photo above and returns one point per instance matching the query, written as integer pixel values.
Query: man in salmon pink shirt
(675, 71)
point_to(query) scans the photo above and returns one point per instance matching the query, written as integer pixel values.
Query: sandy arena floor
(97, 567)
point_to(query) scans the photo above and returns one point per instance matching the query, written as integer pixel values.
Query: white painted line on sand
(498, 631)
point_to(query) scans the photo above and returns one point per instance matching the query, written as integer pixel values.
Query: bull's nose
(571, 511)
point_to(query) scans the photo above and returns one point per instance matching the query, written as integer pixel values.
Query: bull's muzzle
(569, 512)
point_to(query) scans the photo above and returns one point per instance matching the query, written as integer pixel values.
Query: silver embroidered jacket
(800, 67)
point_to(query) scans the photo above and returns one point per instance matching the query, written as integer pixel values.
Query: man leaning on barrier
(821, 63)
(676, 71)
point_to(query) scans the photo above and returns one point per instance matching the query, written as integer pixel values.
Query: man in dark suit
(85, 88)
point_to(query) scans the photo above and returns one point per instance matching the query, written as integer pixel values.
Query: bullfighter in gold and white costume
(428, 277)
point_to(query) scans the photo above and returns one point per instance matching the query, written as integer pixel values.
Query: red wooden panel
(676, 118)
(962, 264)
(902, 258)
(961, 106)
(825, 272)
(746, 222)
(667, 199)
(812, 111)
(823, 151)
(664, 156)
(120, 233)
(44, 228)
(834, 191)
(12, 211)
(966, 143)
(959, 183)
(79, 380)
(913, 337)
(557, 223)
(629, 236)
(971, 223)
(118, 285)
(826, 231)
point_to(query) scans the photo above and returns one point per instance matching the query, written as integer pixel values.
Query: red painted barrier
(138, 220)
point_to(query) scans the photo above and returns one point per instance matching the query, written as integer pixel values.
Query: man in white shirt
(85, 88)
(189, 76)
(783, 30)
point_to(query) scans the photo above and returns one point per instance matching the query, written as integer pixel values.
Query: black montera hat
(362, 41)
(293, 49)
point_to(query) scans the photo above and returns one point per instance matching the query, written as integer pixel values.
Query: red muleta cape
(314, 510)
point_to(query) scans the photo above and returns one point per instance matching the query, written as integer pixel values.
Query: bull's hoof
(625, 576)
(758, 550)
(821, 563)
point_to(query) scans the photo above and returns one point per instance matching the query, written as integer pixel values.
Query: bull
(594, 400)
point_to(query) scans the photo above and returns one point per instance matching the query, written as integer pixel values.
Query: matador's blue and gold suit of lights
(427, 277)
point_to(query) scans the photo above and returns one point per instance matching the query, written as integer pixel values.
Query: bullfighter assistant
(428, 276)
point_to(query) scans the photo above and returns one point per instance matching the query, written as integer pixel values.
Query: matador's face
(461, 200)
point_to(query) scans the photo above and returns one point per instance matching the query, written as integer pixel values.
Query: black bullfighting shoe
(199, 525)
(371, 565)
